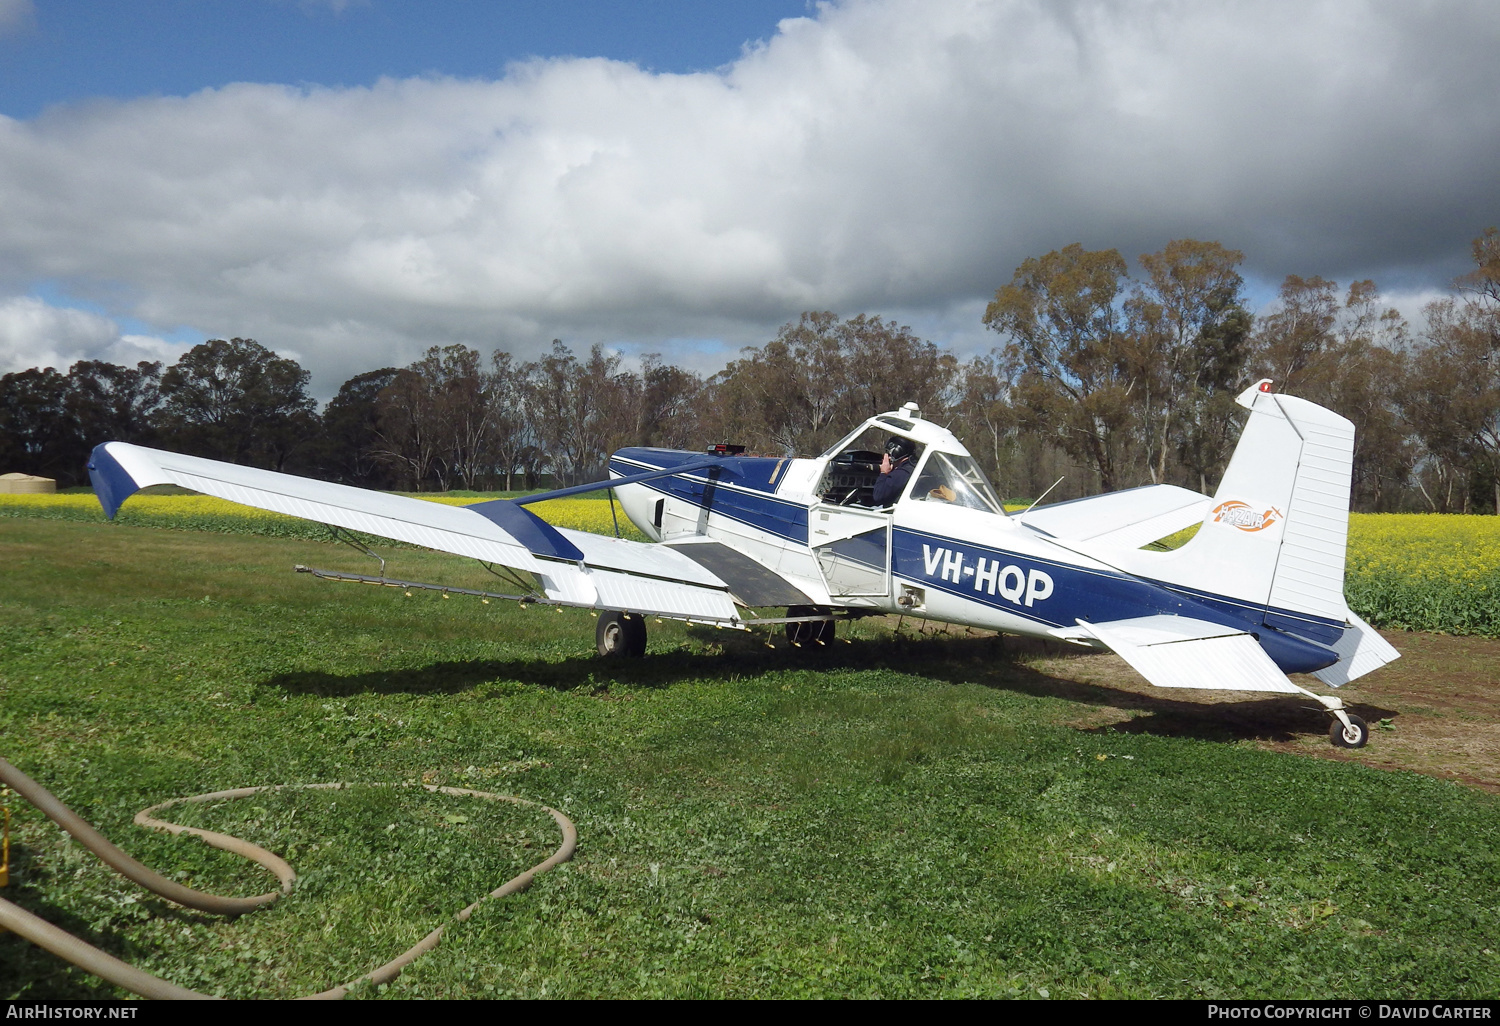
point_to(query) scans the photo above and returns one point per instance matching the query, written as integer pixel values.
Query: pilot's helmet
(899, 448)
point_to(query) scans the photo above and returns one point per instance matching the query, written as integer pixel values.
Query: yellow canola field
(578, 514)
(206, 513)
(1426, 572)
(1431, 546)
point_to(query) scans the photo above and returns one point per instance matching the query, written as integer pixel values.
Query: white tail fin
(1275, 535)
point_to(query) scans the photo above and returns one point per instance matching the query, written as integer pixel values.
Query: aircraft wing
(571, 567)
(1126, 519)
(1182, 652)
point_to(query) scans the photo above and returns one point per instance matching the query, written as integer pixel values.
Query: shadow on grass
(29, 972)
(985, 661)
(33, 974)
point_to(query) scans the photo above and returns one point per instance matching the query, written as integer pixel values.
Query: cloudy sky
(350, 182)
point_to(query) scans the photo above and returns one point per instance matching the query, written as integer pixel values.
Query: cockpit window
(956, 479)
(850, 477)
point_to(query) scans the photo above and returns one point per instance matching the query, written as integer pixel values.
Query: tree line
(1104, 378)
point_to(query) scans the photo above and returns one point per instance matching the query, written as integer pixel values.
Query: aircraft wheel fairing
(1353, 736)
(810, 632)
(621, 634)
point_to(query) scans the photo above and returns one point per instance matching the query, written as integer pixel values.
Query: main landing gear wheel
(809, 632)
(621, 634)
(1353, 736)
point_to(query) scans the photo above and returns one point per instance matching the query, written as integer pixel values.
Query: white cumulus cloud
(888, 155)
(34, 333)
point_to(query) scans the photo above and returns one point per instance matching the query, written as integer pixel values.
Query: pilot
(895, 470)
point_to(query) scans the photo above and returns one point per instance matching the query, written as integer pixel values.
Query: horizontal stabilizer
(1181, 652)
(1127, 519)
(1361, 649)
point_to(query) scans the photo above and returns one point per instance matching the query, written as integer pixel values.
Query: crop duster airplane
(1255, 595)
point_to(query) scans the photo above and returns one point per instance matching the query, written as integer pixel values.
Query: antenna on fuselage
(912, 411)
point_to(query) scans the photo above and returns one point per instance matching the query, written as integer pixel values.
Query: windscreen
(957, 480)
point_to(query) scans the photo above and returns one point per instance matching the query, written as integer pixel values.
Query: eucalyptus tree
(800, 391)
(1189, 334)
(236, 400)
(1071, 353)
(110, 402)
(350, 443)
(580, 410)
(1454, 398)
(36, 436)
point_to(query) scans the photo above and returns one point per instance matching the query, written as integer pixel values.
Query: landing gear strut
(621, 634)
(1347, 729)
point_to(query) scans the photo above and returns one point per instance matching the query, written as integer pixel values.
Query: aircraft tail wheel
(621, 634)
(810, 632)
(1352, 736)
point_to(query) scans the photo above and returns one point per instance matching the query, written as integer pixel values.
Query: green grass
(885, 818)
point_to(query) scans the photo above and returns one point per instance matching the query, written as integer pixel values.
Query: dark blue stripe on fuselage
(734, 500)
(1297, 642)
(1314, 628)
(1009, 581)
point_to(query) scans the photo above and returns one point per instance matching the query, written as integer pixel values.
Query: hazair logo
(1242, 515)
(1010, 582)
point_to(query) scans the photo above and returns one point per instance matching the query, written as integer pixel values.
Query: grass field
(919, 817)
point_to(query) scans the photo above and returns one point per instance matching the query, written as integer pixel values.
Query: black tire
(621, 635)
(810, 633)
(1353, 736)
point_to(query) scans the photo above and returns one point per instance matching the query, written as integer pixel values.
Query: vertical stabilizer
(1275, 535)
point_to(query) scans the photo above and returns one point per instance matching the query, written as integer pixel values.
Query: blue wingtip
(112, 486)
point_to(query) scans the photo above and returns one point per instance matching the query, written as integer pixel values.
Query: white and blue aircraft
(1255, 595)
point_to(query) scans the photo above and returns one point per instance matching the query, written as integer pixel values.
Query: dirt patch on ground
(1436, 710)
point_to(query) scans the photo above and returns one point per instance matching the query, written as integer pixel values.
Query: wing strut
(615, 482)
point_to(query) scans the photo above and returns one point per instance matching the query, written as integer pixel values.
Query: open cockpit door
(853, 547)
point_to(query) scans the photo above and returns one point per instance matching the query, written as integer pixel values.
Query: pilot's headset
(899, 449)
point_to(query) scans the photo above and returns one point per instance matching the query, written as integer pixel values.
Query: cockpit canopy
(948, 477)
(945, 470)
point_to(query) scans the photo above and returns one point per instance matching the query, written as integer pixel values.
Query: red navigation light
(1265, 386)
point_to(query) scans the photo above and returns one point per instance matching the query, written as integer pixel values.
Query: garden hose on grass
(122, 974)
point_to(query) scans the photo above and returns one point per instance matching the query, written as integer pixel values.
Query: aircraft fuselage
(924, 557)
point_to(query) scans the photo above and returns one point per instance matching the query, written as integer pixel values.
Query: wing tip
(112, 483)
